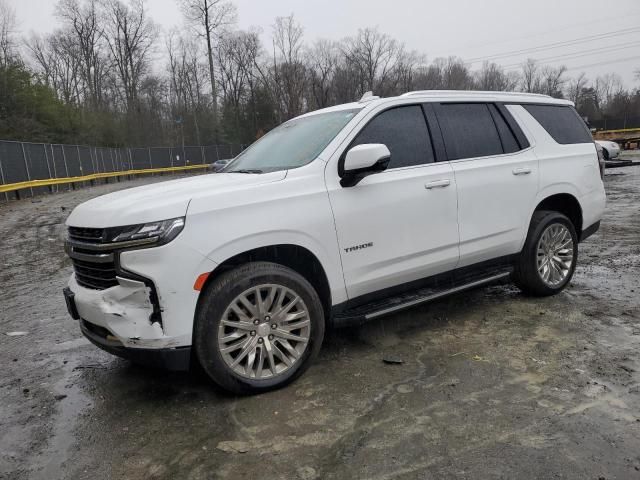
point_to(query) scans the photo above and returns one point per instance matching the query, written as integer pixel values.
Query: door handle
(521, 171)
(437, 184)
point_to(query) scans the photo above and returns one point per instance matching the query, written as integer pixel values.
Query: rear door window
(404, 131)
(469, 130)
(562, 122)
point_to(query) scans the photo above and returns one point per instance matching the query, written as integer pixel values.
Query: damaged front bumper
(118, 321)
(125, 310)
(166, 358)
(135, 301)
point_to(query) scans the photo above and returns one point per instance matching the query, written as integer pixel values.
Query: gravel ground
(493, 385)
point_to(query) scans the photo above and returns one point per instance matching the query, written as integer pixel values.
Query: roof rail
(470, 92)
(367, 97)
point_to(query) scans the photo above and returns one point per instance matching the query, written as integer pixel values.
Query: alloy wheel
(555, 254)
(264, 331)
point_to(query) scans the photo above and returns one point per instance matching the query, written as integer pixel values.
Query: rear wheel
(258, 327)
(549, 256)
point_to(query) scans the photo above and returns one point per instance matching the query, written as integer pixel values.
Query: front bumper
(174, 359)
(152, 304)
(124, 311)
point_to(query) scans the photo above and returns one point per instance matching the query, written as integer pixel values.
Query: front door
(399, 225)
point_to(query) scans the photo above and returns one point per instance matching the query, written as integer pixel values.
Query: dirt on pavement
(494, 384)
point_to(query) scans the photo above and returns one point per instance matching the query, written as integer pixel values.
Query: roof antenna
(367, 97)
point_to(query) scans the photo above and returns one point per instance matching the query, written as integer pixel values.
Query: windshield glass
(292, 144)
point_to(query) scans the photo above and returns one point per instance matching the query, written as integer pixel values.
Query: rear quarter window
(561, 122)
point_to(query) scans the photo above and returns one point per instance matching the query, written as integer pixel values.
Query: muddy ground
(493, 385)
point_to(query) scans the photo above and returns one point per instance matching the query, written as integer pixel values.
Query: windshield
(292, 144)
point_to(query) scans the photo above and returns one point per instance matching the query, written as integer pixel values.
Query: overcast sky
(470, 29)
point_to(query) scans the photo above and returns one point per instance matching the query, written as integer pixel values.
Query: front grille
(98, 276)
(95, 269)
(90, 235)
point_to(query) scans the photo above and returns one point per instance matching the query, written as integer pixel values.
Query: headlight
(157, 233)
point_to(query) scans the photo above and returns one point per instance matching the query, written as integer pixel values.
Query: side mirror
(363, 160)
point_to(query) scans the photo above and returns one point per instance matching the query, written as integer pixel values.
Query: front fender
(329, 262)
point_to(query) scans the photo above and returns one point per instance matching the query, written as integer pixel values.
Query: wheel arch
(298, 258)
(564, 203)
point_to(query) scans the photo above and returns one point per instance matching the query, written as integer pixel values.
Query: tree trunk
(214, 97)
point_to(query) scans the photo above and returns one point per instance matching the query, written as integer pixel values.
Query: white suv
(336, 217)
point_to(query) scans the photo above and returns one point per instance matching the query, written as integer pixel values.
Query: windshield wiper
(247, 170)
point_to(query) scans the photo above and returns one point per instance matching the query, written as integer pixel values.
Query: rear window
(561, 122)
(468, 130)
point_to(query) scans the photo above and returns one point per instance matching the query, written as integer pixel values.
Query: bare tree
(187, 77)
(236, 58)
(446, 73)
(83, 20)
(288, 74)
(406, 71)
(130, 35)
(553, 80)
(322, 58)
(57, 56)
(374, 56)
(492, 77)
(209, 16)
(7, 33)
(531, 77)
(605, 88)
(576, 89)
(456, 75)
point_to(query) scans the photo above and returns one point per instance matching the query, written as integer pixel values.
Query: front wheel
(549, 256)
(258, 327)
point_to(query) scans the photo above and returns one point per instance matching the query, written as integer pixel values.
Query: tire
(527, 275)
(264, 369)
(605, 154)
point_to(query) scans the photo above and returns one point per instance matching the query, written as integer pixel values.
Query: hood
(161, 200)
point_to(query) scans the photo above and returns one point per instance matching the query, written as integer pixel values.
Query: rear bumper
(174, 359)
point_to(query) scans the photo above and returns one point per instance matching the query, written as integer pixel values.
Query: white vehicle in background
(219, 165)
(336, 217)
(610, 150)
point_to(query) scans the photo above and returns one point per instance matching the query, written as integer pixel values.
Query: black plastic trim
(513, 125)
(442, 281)
(587, 232)
(69, 299)
(175, 359)
(437, 140)
(352, 177)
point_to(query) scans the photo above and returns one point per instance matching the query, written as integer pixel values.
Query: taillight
(600, 160)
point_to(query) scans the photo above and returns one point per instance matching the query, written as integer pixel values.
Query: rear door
(399, 225)
(496, 175)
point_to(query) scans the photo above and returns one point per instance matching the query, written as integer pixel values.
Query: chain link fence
(23, 162)
(621, 123)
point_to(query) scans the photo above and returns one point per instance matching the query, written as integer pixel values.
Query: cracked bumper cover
(124, 314)
(124, 310)
(117, 321)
